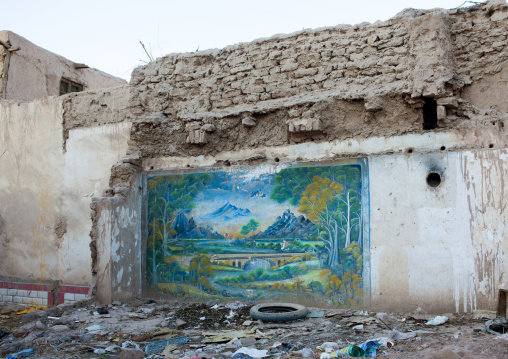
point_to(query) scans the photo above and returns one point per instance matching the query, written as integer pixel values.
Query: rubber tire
(293, 312)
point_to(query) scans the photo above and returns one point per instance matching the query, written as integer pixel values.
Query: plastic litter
(112, 348)
(158, 346)
(316, 315)
(241, 356)
(383, 318)
(128, 344)
(93, 328)
(99, 351)
(440, 319)
(231, 314)
(396, 335)
(235, 305)
(287, 347)
(328, 347)
(370, 347)
(252, 353)
(20, 354)
(102, 310)
(351, 351)
(61, 340)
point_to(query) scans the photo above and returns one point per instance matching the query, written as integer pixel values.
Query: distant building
(28, 72)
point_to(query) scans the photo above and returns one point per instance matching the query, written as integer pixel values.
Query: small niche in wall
(429, 113)
(68, 86)
(433, 179)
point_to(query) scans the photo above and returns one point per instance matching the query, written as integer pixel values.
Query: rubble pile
(173, 329)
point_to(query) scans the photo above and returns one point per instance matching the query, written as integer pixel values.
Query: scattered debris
(103, 310)
(253, 353)
(226, 335)
(158, 346)
(440, 319)
(316, 315)
(21, 354)
(94, 328)
(497, 326)
(77, 333)
(278, 312)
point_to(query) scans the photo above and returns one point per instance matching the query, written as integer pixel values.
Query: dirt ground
(218, 330)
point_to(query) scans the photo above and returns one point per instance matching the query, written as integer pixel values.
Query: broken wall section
(328, 84)
(46, 191)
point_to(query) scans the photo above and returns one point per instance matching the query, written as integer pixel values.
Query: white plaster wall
(442, 249)
(40, 185)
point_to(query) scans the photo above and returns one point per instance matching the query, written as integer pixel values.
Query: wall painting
(252, 233)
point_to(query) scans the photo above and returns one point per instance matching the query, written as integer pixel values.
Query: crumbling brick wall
(358, 81)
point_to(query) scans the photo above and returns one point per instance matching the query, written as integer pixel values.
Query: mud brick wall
(359, 81)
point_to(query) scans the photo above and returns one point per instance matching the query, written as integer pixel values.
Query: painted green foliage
(251, 226)
(202, 253)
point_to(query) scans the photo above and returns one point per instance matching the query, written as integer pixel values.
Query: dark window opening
(434, 179)
(429, 113)
(68, 86)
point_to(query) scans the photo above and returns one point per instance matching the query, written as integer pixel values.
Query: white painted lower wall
(441, 248)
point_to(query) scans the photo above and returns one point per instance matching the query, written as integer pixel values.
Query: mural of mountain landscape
(250, 233)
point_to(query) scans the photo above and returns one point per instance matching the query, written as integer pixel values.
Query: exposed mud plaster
(488, 91)
(424, 143)
(60, 228)
(484, 174)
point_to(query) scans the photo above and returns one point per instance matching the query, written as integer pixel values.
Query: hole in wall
(443, 148)
(410, 150)
(276, 159)
(433, 179)
(429, 113)
(491, 145)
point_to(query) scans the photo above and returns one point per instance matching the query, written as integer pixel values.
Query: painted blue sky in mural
(241, 195)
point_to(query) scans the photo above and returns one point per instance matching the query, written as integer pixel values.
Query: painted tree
(155, 257)
(251, 226)
(341, 223)
(350, 202)
(169, 195)
(319, 204)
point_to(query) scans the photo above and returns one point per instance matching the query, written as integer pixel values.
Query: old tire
(278, 312)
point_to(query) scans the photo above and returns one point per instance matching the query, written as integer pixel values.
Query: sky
(106, 34)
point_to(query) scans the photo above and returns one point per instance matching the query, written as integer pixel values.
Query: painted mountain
(288, 226)
(187, 228)
(226, 213)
